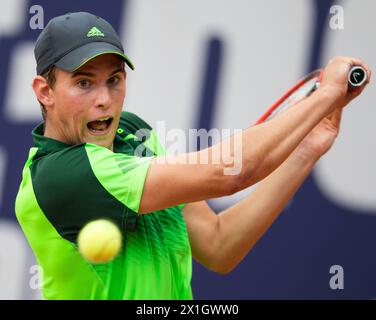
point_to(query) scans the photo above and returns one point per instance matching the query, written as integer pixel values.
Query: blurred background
(219, 64)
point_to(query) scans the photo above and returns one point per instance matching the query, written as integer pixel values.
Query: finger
(354, 92)
(369, 74)
(350, 61)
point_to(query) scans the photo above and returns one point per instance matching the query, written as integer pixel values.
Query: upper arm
(202, 226)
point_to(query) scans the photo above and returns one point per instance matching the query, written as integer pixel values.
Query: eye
(84, 84)
(113, 80)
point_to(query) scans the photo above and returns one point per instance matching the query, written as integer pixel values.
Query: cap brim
(78, 57)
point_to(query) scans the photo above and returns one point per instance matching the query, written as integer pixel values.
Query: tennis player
(84, 166)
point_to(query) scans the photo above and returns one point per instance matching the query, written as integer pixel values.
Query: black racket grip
(357, 76)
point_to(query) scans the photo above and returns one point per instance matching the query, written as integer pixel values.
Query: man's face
(88, 102)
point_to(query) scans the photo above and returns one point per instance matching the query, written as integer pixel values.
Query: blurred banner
(219, 64)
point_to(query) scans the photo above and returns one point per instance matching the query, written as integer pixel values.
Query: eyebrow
(89, 74)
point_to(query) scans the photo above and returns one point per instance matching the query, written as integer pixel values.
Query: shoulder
(62, 173)
(70, 193)
(52, 164)
(69, 171)
(73, 164)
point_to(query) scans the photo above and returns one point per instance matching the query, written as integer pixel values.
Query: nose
(103, 97)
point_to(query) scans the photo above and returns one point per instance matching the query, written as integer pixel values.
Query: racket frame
(314, 74)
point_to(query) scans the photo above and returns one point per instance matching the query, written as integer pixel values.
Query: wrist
(332, 95)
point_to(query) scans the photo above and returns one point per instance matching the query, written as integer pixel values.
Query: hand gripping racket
(356, 78)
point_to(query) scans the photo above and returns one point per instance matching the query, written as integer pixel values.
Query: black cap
(71, 40)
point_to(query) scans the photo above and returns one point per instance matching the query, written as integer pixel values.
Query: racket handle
(357, 76)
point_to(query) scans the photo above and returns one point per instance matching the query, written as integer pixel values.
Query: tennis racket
(304, 88)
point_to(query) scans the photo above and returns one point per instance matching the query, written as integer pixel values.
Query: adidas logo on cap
(95, 32)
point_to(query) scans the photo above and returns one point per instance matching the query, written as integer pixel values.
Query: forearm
(262, 149)
(266, 146)
(240, 226)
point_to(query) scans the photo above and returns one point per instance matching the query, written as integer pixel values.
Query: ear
(43, 91)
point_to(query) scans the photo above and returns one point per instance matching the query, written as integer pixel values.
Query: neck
(49, 132)
(53, 132)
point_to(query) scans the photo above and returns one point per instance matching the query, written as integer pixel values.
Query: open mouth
(100, 126)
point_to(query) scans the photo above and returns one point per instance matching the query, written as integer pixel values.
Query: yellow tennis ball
(99, 241)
